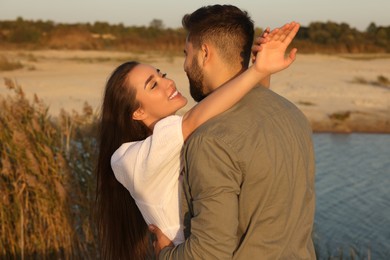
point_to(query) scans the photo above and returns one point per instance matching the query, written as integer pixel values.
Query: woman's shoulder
(169, 120)
(167, 140)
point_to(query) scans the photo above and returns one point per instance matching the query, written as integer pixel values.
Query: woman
(140, 143)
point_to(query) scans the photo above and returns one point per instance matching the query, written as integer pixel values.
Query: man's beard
(195, 77)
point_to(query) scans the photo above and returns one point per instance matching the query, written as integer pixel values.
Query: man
(249, 173)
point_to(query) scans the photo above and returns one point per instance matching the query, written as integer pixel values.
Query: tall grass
(46, 180)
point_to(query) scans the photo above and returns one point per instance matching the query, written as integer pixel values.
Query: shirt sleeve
(151, 156)
(214, 176)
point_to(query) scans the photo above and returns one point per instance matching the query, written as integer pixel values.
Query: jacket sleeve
(213, 174)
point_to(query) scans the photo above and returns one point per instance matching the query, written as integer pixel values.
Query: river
(353, 195)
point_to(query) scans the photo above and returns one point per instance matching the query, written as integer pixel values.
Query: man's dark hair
(228, 28)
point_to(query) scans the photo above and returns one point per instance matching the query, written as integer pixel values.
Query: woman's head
(140, 94)
(156, 95)
(118, 104)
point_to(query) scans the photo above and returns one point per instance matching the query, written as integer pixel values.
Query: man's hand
(272, 49)
(162, 240)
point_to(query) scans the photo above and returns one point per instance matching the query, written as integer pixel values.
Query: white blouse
(150, 170)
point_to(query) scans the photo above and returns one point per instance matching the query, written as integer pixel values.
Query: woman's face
(157, 95)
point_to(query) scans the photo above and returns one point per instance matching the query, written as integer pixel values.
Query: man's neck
(224, 77)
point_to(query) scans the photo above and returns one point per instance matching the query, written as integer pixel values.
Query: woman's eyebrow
(150, 78)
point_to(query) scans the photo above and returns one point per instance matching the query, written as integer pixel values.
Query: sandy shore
(324, 87)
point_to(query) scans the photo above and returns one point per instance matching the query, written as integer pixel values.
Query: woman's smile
(174, 94)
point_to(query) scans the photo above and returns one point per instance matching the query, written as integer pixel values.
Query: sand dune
(330, 90)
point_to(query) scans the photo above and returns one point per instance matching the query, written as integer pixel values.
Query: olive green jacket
(249, 183)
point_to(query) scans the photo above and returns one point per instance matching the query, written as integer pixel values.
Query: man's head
(219, 39)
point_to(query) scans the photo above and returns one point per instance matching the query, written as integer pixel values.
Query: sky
(273, 13)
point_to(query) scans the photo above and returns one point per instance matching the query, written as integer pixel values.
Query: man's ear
(205, 52)
(139, 114)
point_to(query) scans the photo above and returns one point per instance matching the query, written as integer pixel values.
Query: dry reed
(46, 180)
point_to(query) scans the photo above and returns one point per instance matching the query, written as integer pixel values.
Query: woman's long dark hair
(123, 233)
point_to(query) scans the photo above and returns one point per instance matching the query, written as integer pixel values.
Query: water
(353, 194)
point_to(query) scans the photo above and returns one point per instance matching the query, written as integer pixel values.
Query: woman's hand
(271, 53)
(162, 240)
(256, 47)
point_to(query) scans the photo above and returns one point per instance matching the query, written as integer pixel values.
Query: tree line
(322, 37)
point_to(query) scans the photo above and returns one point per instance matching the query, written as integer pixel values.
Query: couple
(245, 153)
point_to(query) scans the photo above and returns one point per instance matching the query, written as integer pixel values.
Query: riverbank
(336, 93)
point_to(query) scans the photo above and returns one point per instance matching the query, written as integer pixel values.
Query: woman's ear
(139, 114)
